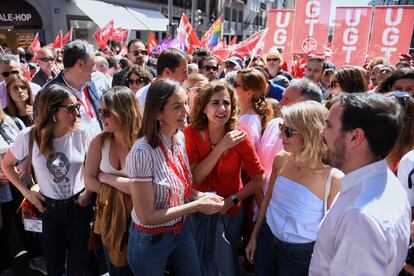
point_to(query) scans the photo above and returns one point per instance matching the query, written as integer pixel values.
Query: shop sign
(19, 14)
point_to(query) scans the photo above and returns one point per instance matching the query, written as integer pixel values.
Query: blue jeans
(115, 270)
(148, 259)
(275, 257)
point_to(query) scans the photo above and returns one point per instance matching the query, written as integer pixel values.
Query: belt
(58, 202)
(175, 229)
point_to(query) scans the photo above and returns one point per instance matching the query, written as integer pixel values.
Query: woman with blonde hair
(19, 99)
(193, 85)
(106, 175)
(57, 145)
(301, 188)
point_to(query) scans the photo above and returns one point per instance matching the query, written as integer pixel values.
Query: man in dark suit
(136, 56)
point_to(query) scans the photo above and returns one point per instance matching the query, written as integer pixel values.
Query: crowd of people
(177, 163)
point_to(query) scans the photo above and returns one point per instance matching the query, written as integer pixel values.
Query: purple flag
(176, 43)
(161, 46)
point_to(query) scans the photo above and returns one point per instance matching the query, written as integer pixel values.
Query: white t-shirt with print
(60, 175)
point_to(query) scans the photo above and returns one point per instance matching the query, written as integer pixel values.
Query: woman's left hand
(102, 177)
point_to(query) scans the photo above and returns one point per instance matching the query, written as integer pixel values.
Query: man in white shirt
(367, 230)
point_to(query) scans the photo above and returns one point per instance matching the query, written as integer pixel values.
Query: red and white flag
(233, 40)
(252, 45)
(67, 37)
(311, 26)
(186, 34)
(152, 43)
(35, 45)
(350, 35)
(117, 34)
(104, 34)
(390, 32)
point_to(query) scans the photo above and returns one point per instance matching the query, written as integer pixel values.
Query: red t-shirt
(224, 178)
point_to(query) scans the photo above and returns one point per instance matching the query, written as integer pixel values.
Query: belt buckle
(176, 229)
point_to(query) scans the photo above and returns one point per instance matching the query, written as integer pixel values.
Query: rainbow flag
(213, 36)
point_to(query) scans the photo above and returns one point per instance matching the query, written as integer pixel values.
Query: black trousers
(65, 238)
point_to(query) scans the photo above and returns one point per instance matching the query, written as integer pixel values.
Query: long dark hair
(157, 98)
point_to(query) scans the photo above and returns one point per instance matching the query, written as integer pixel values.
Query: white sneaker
(38, 264)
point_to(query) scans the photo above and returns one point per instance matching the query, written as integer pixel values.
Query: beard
(336, 157)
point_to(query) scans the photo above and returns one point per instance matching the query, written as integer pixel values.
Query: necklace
(212, 145)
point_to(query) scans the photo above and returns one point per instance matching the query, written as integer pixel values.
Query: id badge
(33, 225)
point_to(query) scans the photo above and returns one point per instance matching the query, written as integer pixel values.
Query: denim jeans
(115, 270)
(146, 259)
(275, 257)
(65, 239)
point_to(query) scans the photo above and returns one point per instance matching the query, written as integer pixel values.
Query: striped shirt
(145, 164)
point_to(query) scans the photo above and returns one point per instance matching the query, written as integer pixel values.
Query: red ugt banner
(350, 35)
(311, 26)
(391, 32)
(280, 34)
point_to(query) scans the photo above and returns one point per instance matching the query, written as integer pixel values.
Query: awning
(154, 20)
(101, 13)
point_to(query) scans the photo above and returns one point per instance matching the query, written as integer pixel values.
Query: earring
(54, 118)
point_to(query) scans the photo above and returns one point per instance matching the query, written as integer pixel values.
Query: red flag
(252, 45)
(187, 35)
(57, 43)
(152, 43)
(104, 34)
(67, 37)
(390, 32)
(125, 35)
(233, 40)
(35, 45)
(311, 26)
(223, 53)
(117, 34)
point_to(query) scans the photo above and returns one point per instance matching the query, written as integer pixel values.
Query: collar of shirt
(358, 176)
(78, 93)
(166, 141)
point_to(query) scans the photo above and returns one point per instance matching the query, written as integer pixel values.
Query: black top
(41, 78)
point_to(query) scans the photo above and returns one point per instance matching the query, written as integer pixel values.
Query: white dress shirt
(404, 168)
(367, 229)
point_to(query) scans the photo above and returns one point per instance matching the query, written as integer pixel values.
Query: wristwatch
(235, 199)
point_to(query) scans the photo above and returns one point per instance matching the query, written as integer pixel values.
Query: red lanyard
(88, 106)
(185, 180)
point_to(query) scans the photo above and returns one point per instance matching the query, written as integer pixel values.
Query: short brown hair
(200, 120)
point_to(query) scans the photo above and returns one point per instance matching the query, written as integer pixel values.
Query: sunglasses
(71, 107)
(8, 73)
(230, 64)
(22, 87)
(287, 131)
(210, 68)
(142, 52)
(132, 81)
(272, 59)
(104, 113)
(46, 59)
(333, 84)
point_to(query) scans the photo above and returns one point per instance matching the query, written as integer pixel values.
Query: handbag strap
(327, 191)
(29, 158)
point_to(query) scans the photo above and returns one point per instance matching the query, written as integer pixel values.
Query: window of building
(241, 16)
(227, 13)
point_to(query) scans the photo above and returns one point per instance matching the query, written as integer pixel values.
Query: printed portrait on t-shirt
(58, 165)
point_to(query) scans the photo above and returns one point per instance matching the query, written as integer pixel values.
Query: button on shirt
(367, 230)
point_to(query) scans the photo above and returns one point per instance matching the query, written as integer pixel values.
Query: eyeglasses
(272, 59)
(46, 59)
(104, 113)
(141, 52)
(22, 87)
(132, 81)
(5, 74)
(333, 84)
(287, 130)
(71, 107)
(210, 68)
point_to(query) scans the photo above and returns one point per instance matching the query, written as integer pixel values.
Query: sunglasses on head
(71, 107)
(46, 59)
(104, 112)
(210, 68)
(287, 130)
(8, 73)
(132, 81)
(194, 89)
(273, 59)
(230, 64)
(141, 52)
